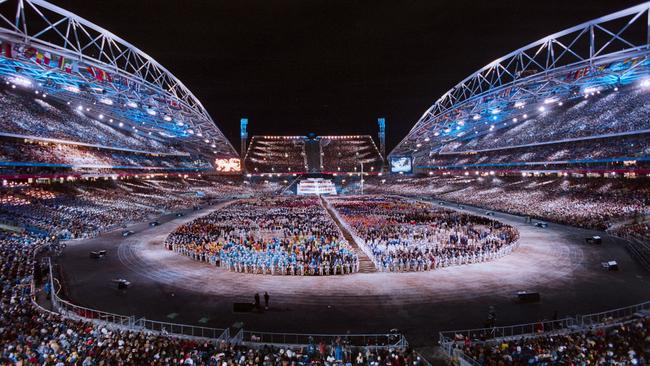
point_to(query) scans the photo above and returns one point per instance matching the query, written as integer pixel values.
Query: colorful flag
(99, 74)
(39, 57)
(29, 52)
(6, 49)
(46, 58)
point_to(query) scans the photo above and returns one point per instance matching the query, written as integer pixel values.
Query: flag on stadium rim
(6, 49)
(63, 64)
(43, 58)
(99, 74)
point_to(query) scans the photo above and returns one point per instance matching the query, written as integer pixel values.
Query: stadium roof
(77, 61)
(600, 54)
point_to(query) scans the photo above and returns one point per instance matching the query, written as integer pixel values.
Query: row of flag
(47, 59)
(53, 61)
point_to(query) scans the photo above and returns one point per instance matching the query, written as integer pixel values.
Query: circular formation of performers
(275, 236)
(402, 235)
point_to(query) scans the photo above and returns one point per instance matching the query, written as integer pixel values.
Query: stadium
(509, 226)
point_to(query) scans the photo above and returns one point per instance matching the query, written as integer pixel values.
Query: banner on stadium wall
(401, 164)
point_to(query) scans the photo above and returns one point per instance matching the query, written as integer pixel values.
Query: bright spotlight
(20, 80)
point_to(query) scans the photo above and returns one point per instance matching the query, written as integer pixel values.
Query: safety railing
(182, 329)
(377, 341)
(616, 314)
(518, 330)
(452, 341)
(71, 310)
(249, 338)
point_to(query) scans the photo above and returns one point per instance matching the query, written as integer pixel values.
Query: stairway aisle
(365, 264)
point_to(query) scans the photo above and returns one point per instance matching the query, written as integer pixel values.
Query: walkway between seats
(365, 264)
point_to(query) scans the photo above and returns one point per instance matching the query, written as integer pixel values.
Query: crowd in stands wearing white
(585, 202)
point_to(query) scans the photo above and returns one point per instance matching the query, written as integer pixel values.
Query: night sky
(293, 67)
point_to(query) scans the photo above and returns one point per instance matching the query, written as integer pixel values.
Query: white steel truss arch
(532, 72)
(48, 27)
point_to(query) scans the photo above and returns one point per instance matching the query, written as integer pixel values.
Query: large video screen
(228, 165)
(400, 164)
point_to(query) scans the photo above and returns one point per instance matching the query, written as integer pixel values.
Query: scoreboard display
(401, 164)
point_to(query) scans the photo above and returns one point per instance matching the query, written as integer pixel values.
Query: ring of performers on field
(403, 235)
(273, 236)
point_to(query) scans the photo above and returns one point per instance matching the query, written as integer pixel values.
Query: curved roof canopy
(81, 62)
(603, 53)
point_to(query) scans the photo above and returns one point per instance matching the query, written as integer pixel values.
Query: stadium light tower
(381, 122)
(243, 125)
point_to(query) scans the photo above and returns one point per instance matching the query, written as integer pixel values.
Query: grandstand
(276, 154)
(94, 97)
(288, 155)
(564, 94)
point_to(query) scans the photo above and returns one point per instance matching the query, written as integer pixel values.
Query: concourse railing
(377, 341)
(103, 318)
(450, 340)
(638, 310)
(510, 331)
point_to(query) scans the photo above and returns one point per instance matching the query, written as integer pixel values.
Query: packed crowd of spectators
(282, 235)
(640, 230)
(626, 148)
(27, 114)
(405, 235)
(276, 155)
(620, 344)
(82, 208)
(624, 110)
(345, 154)
(75, 156)
(586, 202)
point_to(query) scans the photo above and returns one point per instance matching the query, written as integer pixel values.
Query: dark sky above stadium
(329, 67)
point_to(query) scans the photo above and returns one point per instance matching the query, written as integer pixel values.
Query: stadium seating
(276, 155)
(346, 153)
(288, 155)
(85, 208)
(621, 342)
(587, 202)
(600, 153)
(18, 153)
(28, 115)
(624, 110)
